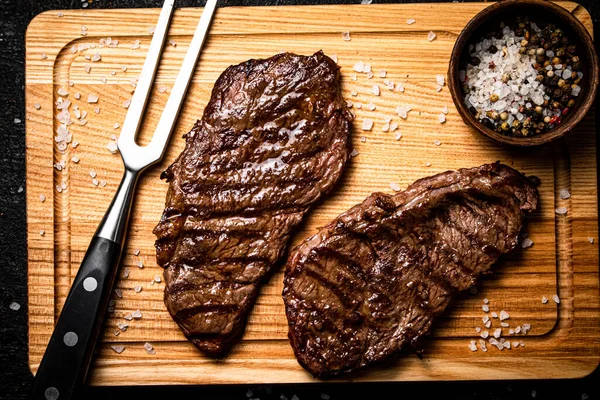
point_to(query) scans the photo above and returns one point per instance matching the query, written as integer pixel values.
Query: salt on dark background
(15, 375)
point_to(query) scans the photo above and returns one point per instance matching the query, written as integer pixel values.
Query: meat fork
(67, 358)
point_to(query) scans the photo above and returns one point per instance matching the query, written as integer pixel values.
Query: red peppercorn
(565, 111)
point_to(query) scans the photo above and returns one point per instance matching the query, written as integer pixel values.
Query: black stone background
(15, 376)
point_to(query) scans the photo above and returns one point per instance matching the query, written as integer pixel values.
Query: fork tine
(136, 109)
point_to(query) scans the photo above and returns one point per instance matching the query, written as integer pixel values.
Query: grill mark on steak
(273, 139)
(417, 249)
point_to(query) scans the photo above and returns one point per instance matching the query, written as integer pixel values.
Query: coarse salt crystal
(397, 136)
(367, 124)
(140, 264)
(441, 118)
(440, 79)
(591, 240)
(393, 127)
(385, 127)
(485, 308)
(126, 103)
(560, 210)
(544, 300)
(62, 92)
(137, 289)
(484, 334)
(92, 98)
(112, 147)
(445, 110)
(371, 106)
(395, 187)
(137, 314)
(382, 73)
(504, 324)
(75, 159)
(564, 194)
(363, 139)
(477, 329)
(14, 306)
(494, 314)
(556, 299)
(431, 36)
(117, 348)
(346, 36)
(482, 345)
(375, 90)
(400, 87)
(526, 243)
(473, 345)
(504, 315)
(135, 45)
(42, 198)
(497, 333)
(410, 21)
(437, 142)
(354, 153)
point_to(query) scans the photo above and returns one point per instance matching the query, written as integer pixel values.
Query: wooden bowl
(537, 10)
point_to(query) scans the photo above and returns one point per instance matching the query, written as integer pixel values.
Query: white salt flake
(162, 89)
(410, 21)
(494, 314)
(149, 349)
(92, 98)
(75, 159)
(42, 198)
(126, 103)
(431, 36)
(354, 153)
(504, 315)
(93, 173)
(560, 210)
(591, 240)
(526, 243)
(441, 118)
(556, 299)
(118, 348)
(484, 334)
(395, 187)
(346, 36)
(440, 79)
(96, 57)
(565, 194)
(140, 264)
(400, 87)
(137, 289)
(375, 90)
(136, 45)
(485, 308)
(359, 66)
(397, 136)
(393, 127)
(382, 74)
(544, 300)
(473, 345)
(137, 314)
(497, 333)
(367, 124)
(445, 110)
(14, 306)
(112, 147)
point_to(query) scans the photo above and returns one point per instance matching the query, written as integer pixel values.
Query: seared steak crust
(274, 137)
(375, 277)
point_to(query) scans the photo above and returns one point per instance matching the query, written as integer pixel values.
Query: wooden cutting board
(564, 340)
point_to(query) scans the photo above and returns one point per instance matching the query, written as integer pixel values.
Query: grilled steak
(377, 275)
(274, 137)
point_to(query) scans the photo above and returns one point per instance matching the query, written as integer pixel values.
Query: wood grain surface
(564, 340)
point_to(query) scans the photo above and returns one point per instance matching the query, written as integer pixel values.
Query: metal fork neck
(114, 224)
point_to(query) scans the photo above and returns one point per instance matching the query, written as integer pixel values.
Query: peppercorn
(550, 74)
(546, 45)
(555, 105)
(575, 59)
(538, 109)
(546, 103)
(539, 78)
(516, 124)
(527, 123)
(556, 93)
(576, 66)
(577, 81)
(540, 51)
(558, 33)
(493, 49)
(505, 78)
(571, 103)
(571, 49)
(504, 126)
(547, 119)
(561, 83)
(525, 132)
(556, 60)
(560, 52)
(546, 63)
(474, 61)
(524, 43)
(494, 98)
(565, 98)
(504, 116)
(535, 39)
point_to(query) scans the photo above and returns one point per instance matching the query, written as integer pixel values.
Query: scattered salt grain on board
(526, 243)
(44, 56)
(497, 333)
(494, 314)
(591, 240)
(440, 80)
(116, 125)
(358, 105)
(431, 36)
(140, 264)
(485, 308)
(393, 127)
(354, 153)
(87, 68)
(118, 348)
(63, 92)
(359, 66)
(367, 68)
(477, 329)
(137, 289)
(75, 159)
(96, 57)
(162, 89)
(42, 198)
(363, 139)
(395, 187)
(14, 306)
(112, 147)
(410, 21)
(556, 299)
(533, 393)
(504, 315)
(137, 314)
(485, 301)
(564, 194)
(525, 328)
(483, 345)
(325, 396)
(119, 293)
(560, 210)
(485, 319)
(397, 136)
(371, 106)
(473, 345)
(135, 45)
(382, 73)
(157, 279)
(445, 110)
(346, 36)
(126, 103)
(366, 1)
(37, 106)
(437, 142)
(93, 173)
(149, 349)
(504, 324)
(92, 98)
(136, 252)
(367, 124)
(441, 118)
(544, 300)
(375, 90)
(484, 334)
(349, 103)
(97, 110)
(400, 87)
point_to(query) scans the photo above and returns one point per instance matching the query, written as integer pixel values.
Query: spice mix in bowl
(523, 72)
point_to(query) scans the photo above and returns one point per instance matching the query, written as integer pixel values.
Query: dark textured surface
(14, 373)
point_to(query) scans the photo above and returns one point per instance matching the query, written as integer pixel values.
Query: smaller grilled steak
(375, 277)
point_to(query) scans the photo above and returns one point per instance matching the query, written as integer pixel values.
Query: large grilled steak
(273, 139)
(375, 277)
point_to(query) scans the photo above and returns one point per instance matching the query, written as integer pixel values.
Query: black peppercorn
(493, 49)
(474, 60)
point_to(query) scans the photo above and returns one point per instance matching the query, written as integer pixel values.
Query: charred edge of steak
(375, 278)
(273, 139)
